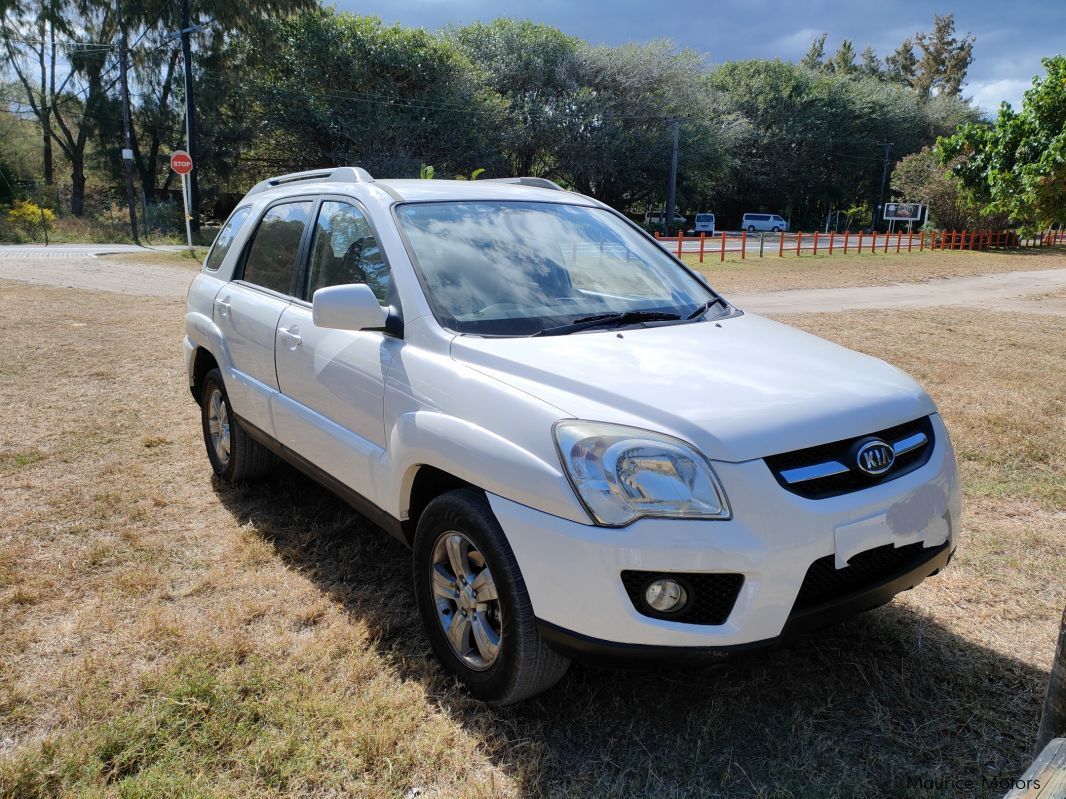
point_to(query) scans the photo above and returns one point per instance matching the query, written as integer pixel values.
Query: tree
(870, 64)
(921, 177)
(815, 57)
(944, 60)
(900, 66)
(1018, 164)
(844, 61)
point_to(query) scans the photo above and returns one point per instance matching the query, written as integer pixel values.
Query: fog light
(665, 595)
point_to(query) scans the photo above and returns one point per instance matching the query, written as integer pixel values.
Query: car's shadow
(884, 705)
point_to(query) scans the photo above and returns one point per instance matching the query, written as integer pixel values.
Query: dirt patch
(838, 271)
(162, 633)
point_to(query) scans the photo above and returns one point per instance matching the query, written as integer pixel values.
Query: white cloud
(989, 94)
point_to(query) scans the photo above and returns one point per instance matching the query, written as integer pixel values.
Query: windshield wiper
(706, 307)
(619, 318)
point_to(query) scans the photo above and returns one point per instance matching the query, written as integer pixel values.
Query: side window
(225, 238)
(275, 246)
(344, 250)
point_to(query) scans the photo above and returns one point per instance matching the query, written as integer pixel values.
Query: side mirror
(349, 307)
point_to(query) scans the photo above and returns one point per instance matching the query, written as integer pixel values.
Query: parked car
(704, 224)
(657, 219)
(590, 453)
(763, 222)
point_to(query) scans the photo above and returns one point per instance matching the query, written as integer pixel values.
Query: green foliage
(1017, 165)
(31, 218)
(921, 177)
(944, 60)
(427, 172)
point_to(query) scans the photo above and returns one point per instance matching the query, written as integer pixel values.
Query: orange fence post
(899, 238)
(910, 240)
(655, 233)
(816, 242)
(873, 247)
(847, 234)
(832, 235)
(860, 243)
(743, 244)
(799, 241)
(724, 235)
(921, 241)
(703, 237)
(781, 245)
(888, 238)
(679, 240)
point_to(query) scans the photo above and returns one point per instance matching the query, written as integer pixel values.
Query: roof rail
(539, 183)
(340, 174)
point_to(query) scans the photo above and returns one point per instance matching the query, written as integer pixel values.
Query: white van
(657, 218)
(765, 222)
(704, 224)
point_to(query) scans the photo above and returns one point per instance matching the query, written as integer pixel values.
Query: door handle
(223, 306)
(291, 337)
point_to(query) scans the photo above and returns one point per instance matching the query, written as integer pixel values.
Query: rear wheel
(234, 456)
(751, 228)
(474, 605)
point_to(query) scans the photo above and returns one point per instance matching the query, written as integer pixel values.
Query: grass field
(163, 634)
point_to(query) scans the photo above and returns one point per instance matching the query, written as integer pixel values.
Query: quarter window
(276, 245)
(344, 251)
(225, 238)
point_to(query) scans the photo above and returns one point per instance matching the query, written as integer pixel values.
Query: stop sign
(181, 162)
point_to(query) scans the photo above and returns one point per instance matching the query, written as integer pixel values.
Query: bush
(30, 218)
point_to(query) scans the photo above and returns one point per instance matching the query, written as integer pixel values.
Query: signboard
(904, 212)
(181, 162)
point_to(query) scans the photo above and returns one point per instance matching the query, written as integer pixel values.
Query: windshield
(518, 268)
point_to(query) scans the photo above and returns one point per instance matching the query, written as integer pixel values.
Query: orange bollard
(781, 246)
(655, 233)
(703, 237)
(832, 235)
(743, 243)
(724, 234)
(799, 241)
(816, 242)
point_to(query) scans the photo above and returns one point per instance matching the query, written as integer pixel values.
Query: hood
(738, 388)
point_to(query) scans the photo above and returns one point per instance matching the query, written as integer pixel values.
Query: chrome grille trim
(910, 443)
(815, 471)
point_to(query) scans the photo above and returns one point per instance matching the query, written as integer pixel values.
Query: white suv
(591, 454)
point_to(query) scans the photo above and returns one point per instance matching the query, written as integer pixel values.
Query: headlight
(623, 473)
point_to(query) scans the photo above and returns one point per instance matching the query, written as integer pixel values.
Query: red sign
(181, 162)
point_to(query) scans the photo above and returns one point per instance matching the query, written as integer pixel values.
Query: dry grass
(837, 271)
(164, 634)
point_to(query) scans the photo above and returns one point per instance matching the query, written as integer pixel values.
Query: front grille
(842, 452)
(711, 596)
(824, 582)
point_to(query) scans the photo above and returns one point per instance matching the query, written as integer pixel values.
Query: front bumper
(572, 571)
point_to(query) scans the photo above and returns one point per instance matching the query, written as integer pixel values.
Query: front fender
(481, 458)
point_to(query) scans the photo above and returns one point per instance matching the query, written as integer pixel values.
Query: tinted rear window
(273, 251)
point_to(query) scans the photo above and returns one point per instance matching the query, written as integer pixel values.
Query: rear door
(248, 308)
(331, 407)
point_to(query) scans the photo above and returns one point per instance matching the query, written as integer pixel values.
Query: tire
(240, 459)
(775, 229)
(460, 524)
(751, 228)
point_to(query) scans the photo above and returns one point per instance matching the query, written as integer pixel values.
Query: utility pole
(190, 116)
(127, 149)
(884, 179)
(671, 192)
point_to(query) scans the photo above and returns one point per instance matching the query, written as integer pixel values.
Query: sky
(1012, 35)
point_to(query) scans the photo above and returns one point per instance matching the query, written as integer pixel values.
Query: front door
(331, 407)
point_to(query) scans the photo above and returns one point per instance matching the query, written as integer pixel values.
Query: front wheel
(775, 229)
(474, 605)
(751, 228)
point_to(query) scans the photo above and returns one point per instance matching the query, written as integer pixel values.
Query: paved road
(78, 267)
